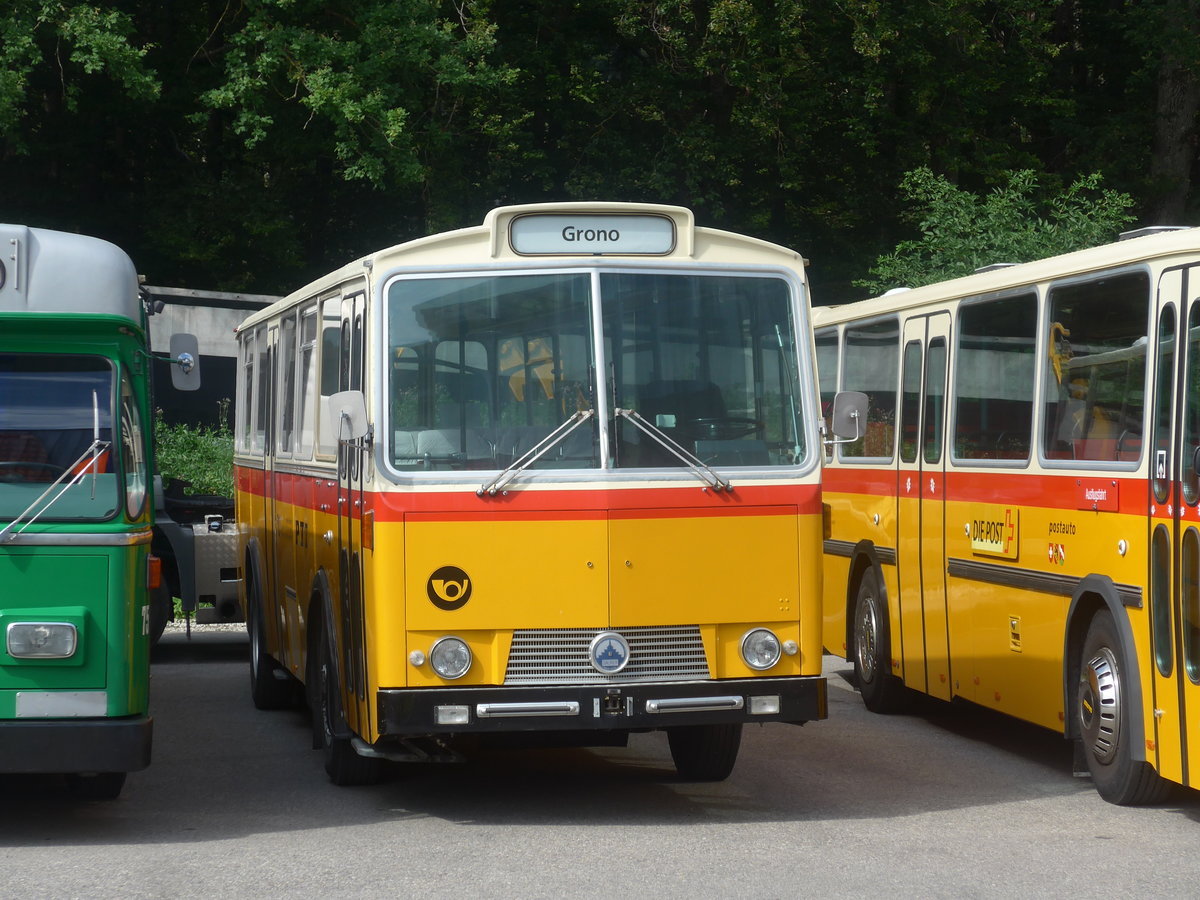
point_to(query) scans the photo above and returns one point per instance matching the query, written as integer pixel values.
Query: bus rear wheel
(705, 752)
(1102, 713)
(270, 685)
(882, 692)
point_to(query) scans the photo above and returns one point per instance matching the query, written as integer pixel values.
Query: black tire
(1102, 714)
(705, 752)
(271, 685)
(161, 603)
(882, 692)
(96, 785)
(343, 765)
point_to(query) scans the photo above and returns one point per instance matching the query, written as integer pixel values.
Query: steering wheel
(12, 465)
(722, 428)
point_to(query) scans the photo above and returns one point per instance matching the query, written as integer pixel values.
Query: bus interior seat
(1100, 434)
(18, 447)
(442, 448)
(574, 451)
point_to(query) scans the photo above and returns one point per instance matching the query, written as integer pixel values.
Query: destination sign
(592, 235)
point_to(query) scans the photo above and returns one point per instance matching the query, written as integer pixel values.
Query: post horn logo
(448, 588)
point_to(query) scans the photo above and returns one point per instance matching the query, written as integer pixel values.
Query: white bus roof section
(1122, 253)
(493, 243)
(44, 271)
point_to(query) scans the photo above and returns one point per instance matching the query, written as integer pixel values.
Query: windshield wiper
(689, 459)
(509, 472)
(75, 471)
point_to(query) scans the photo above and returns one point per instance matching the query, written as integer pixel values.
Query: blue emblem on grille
(608, 653)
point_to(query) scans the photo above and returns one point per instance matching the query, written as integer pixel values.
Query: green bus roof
(43, 271)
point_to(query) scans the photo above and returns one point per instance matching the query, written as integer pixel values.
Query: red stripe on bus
(1011, 488)
(463, 503)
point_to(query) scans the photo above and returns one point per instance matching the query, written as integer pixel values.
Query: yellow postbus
(555, 476)
(1017, 523)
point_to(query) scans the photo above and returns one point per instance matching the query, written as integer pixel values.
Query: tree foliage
(252, 146)
(1014, 223)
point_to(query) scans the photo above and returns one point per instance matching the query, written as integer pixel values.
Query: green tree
(391, 92)
(77, 42)
(962, 232)
(251, 146)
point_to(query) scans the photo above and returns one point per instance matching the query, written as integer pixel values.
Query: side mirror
(185, 362)
(348, 413)
(849, 417)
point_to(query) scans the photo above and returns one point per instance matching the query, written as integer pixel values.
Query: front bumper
(604, 707)
(76, 745)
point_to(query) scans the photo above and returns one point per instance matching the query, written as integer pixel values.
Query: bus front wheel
(1102, 713)
(343, 765)
(96, 785)
(882, 692)
(705, 752)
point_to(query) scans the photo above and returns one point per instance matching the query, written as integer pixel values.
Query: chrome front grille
(560, 656)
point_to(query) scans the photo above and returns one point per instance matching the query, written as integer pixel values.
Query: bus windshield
(54, 407)
(483, 368)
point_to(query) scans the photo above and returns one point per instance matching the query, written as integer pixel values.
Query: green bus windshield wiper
(76, 472)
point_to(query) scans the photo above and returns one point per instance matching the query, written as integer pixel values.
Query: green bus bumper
(76, 745)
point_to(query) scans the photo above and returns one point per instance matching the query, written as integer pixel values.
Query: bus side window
(246, 353)
(262, 391)
(330, 367)
(306, 383)
(871, 364)
(994, 378)
(827, 374)
(1095, 371)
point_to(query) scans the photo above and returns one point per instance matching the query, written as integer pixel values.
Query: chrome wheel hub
(866, 638)
(1100, 706)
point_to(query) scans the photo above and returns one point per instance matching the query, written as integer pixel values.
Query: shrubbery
(202, 456)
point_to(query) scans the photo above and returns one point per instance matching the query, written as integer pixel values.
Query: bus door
(1174, 594)
(351, 463)
(273, 614)
(283, 500)
(920, 507)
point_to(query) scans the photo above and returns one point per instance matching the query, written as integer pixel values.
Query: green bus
(76, 511)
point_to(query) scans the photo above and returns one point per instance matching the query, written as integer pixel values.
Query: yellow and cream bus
(556, 475)
(1017, 524)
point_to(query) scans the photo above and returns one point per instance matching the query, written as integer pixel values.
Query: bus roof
(43, 271)
(672, 235)
(999, 279)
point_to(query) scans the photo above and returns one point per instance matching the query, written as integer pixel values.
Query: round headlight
(450, 657)
(760, 648)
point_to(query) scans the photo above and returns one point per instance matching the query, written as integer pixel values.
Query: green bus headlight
(41, 640)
